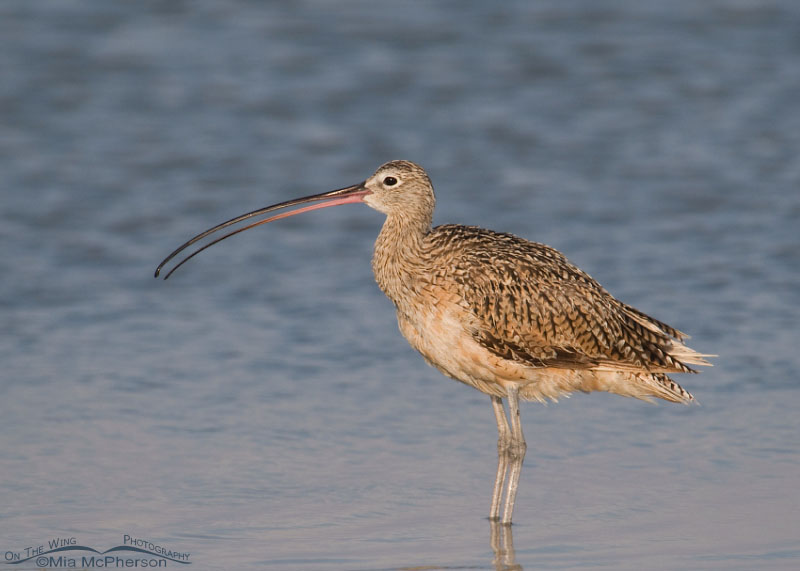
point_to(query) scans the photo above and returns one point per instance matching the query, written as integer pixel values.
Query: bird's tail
(641, 385)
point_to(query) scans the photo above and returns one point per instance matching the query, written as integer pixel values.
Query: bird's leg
(503, 443)
(516, 452)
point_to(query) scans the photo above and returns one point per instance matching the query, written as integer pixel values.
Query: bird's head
(400, 188)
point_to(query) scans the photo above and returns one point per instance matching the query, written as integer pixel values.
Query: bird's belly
(443, 334)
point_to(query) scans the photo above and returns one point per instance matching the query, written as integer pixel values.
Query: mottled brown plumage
(545, 323)
(512, 318)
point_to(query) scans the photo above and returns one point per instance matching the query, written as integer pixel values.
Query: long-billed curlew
(512, 318)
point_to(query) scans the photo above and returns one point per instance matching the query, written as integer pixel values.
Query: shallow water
(260, 409)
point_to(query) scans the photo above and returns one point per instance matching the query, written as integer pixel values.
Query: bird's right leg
(516, 452)
(503, 447)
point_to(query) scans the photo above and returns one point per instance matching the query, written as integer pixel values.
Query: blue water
(260, 409)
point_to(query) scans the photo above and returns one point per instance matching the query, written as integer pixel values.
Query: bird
(512, 318)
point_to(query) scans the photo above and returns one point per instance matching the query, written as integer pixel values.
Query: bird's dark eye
(390, 181)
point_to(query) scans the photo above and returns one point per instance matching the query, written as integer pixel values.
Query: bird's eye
(390, 181)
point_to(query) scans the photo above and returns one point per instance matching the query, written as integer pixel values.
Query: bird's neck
(399, 259)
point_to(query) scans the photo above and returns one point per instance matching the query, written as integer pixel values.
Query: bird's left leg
(503, 443)
(516, 452)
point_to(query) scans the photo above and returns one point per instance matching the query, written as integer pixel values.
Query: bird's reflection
(502, 542)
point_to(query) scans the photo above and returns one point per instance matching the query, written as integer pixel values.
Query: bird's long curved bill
(347, 195)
